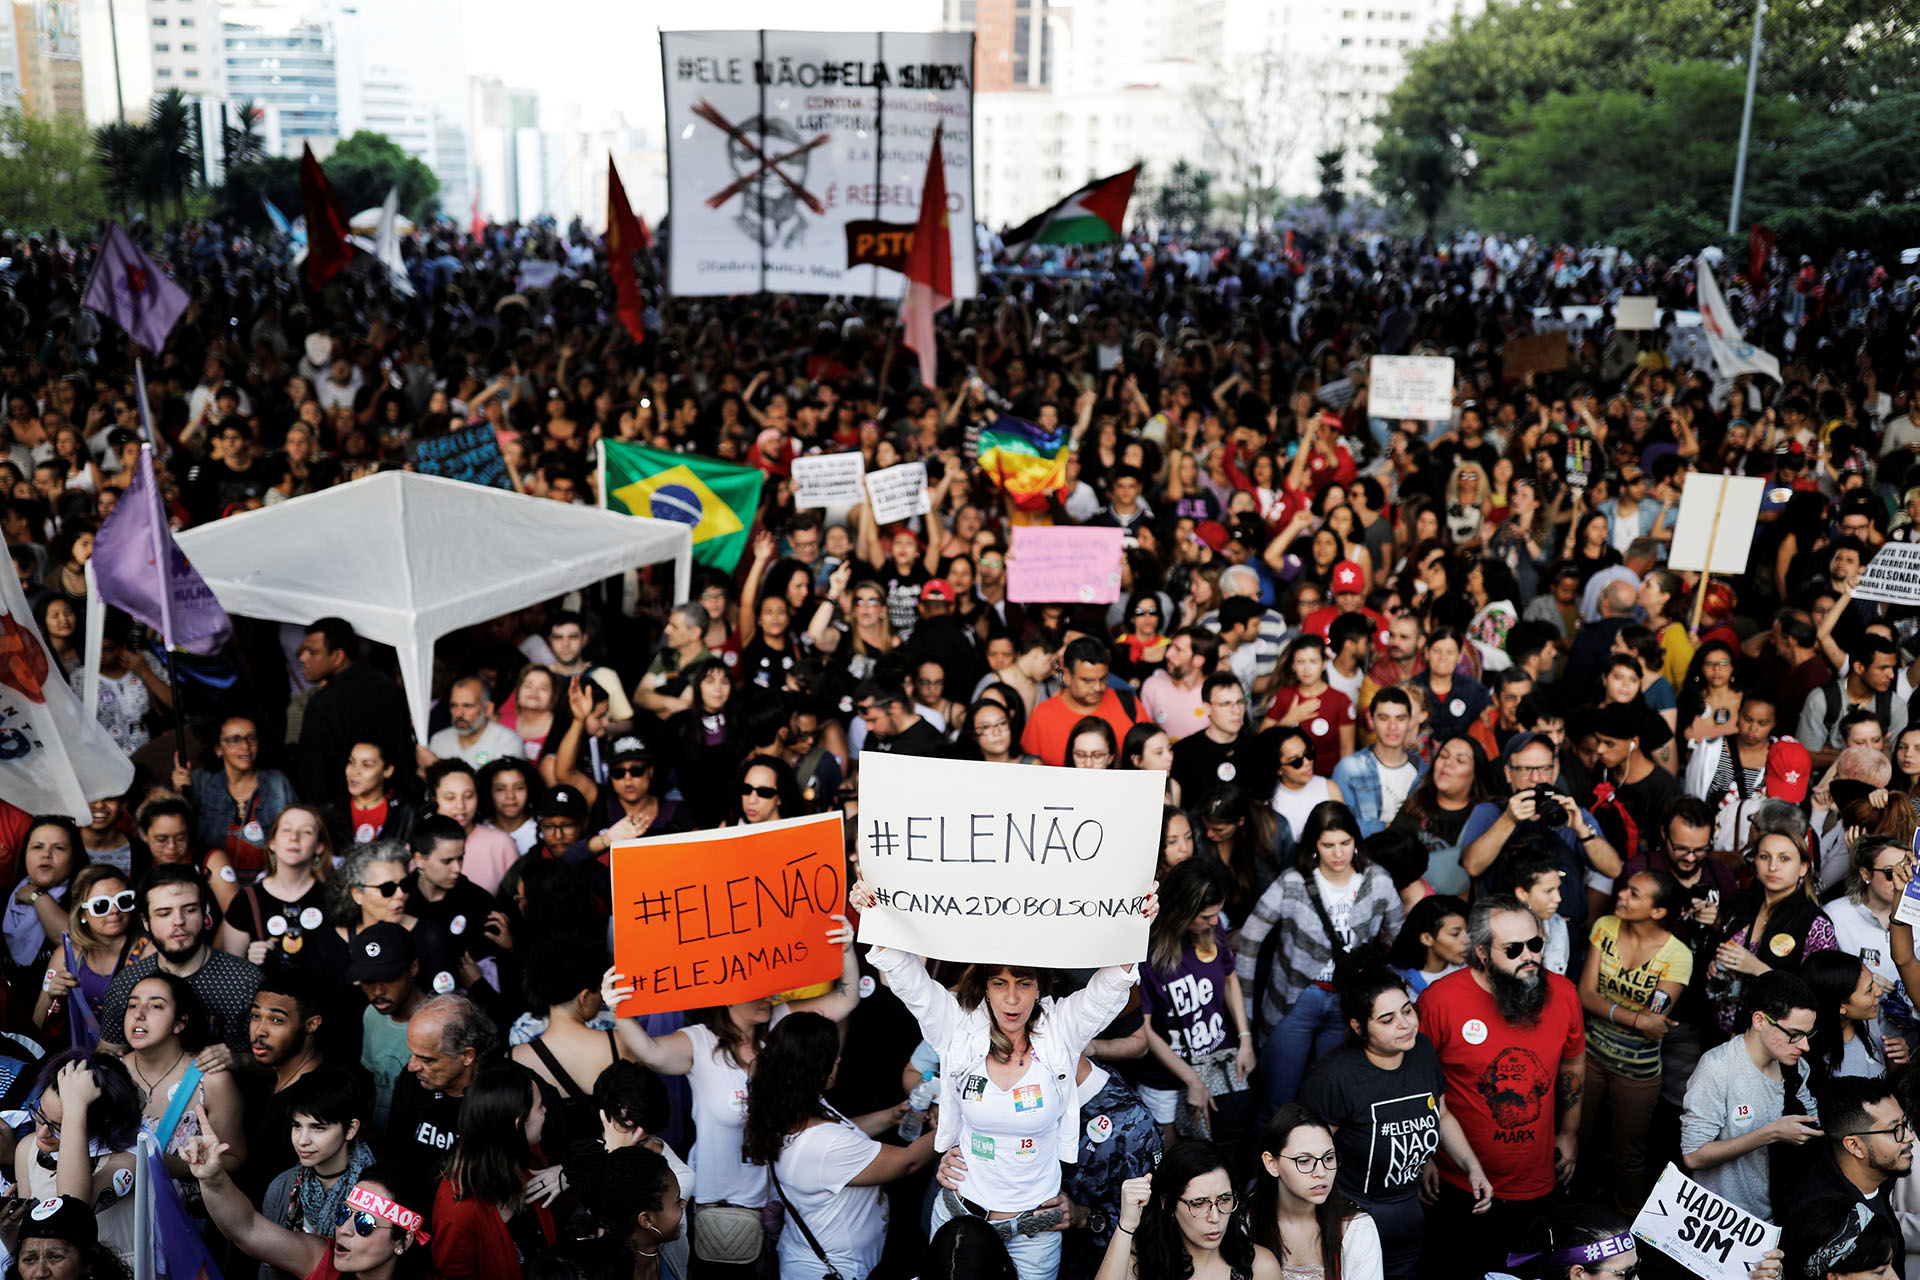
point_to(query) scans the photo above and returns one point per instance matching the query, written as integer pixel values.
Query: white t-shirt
(719, 1088)
(496, 742)
(1294, 806)
(1349, 685)
(1338, 900)
(849, 1222)
(1010, 1140)
(1395, 786)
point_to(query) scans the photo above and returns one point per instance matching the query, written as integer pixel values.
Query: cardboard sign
(1411, 387)
(1893, 575)
(1636, 313)
(1709, 1236)
(471, 454)
(724, 916)
(1535, 353)
(1008, 863)
(829, 480)
(898, 493)
(1737, 499)
(1065, 565)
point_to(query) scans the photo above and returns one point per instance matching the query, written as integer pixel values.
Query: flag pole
(162, 551)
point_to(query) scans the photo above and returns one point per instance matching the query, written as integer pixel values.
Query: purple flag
(140, 296)
(126, 552)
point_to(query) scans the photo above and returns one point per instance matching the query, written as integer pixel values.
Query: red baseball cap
(1212, 533)
(1789, 771)
(1349, 577)
(937, 589)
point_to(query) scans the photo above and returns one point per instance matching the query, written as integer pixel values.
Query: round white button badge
(1226, 771)
(253, 832)
(311, 918)
(364, 833)
(1475, 1032)
(1458, 706)
(1319, 726)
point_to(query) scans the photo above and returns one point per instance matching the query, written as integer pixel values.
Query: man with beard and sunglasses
(173, 909)
(1512, 1042)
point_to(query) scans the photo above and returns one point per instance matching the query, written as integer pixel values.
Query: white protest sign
(1410, 387)
(898, 492)
(1893, 575)
(1008, 863)
(1636, 313)
(1712, 1237)
(829, 480)
(1722, 511)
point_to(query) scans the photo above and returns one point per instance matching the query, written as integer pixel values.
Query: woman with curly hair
(827, 1168)
(1185, 1220)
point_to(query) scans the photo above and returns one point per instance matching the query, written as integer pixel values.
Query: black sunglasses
(386, 888)
(1535, 944)
(1292, 762)
(765, 793)
(629, 771)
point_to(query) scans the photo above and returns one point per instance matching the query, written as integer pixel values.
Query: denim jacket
(213, 805)
(1358, 777)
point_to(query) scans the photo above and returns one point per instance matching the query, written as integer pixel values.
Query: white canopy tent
(407, 558)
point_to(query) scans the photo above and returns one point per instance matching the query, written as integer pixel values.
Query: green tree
(1332, 164)
(363, 167)
(48, 173)
(119, 151)
(275, 178)
(241, 143)
(1184, 201)
(1461, 91)
(170, 166)
(1646, 165)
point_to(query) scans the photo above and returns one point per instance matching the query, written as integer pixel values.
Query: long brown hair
(971, 992)
(1423, 802)
(718, 1020)
(80, 921)
(1332, 1214)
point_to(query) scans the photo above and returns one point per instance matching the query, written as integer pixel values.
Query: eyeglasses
(1535, 944)
(713, 594)
(765, 793)
(386, 888)
(1225, 1202)
(1902, 1132)
(629, 771)
(866, 602)
(992, 726)
(1717, 662)
(40, 1118)
(1689, 850)
(556, 825)
(1092, 757)
(1793, 1037)
(1229, 704)
(239, 739)
(364, 1223)
(1313, 1164)
(1631, 1273)
(1533, 770)
(121, 902)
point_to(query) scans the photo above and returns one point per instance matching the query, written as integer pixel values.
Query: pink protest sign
(1070, 565)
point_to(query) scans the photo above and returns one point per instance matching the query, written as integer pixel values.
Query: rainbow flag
(1026, 460)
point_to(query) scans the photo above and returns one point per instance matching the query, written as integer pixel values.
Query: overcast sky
(606, 56)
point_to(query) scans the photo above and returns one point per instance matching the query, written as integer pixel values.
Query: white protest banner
(898, 492)
(1636, 313)
(1008, 863)
(777, 141)
(829, 480)
(1718, 515)
(1410, 387)
(1712, 1237)
(1892, 576)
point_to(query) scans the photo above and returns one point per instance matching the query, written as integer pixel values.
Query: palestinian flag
(716, 499)
(1026, 460)
(1091, 215)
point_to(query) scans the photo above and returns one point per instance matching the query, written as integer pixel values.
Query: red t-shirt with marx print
(1500, 1078)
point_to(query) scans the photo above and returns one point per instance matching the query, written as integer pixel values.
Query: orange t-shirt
(1053, 720)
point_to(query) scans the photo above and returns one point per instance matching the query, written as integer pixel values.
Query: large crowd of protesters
(1501, 865)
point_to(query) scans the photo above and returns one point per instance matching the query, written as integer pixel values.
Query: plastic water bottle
(917, 1103)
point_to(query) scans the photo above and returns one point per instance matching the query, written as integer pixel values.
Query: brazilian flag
(717, 500)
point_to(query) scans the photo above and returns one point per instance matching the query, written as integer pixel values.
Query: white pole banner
(1715, 528)
(1893, 575)
(899, 492)
(1020, 864)
(1710, 1236)
(1411, 387)
(780, 142)
(829, 480)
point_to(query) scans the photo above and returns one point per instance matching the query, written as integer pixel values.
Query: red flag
(929, 266)
(1759, 248)
(476, 225)
(625, 237)
(327, 249)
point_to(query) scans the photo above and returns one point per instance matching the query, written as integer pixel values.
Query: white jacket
(962, 1039)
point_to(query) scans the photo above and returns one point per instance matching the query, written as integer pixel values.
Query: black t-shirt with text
(1386, 1123)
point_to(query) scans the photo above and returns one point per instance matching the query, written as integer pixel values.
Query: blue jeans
(1311, 1028)
(1034, 1257)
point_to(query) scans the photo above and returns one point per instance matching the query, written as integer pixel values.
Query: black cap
(562, 802)
(630, 746)
(60, 1218)
(379, 953)
(1521, 741)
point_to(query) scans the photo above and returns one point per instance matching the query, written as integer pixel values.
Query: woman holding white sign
(1008, 1098)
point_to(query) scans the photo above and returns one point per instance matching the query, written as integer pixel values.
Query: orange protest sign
(721, 917)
